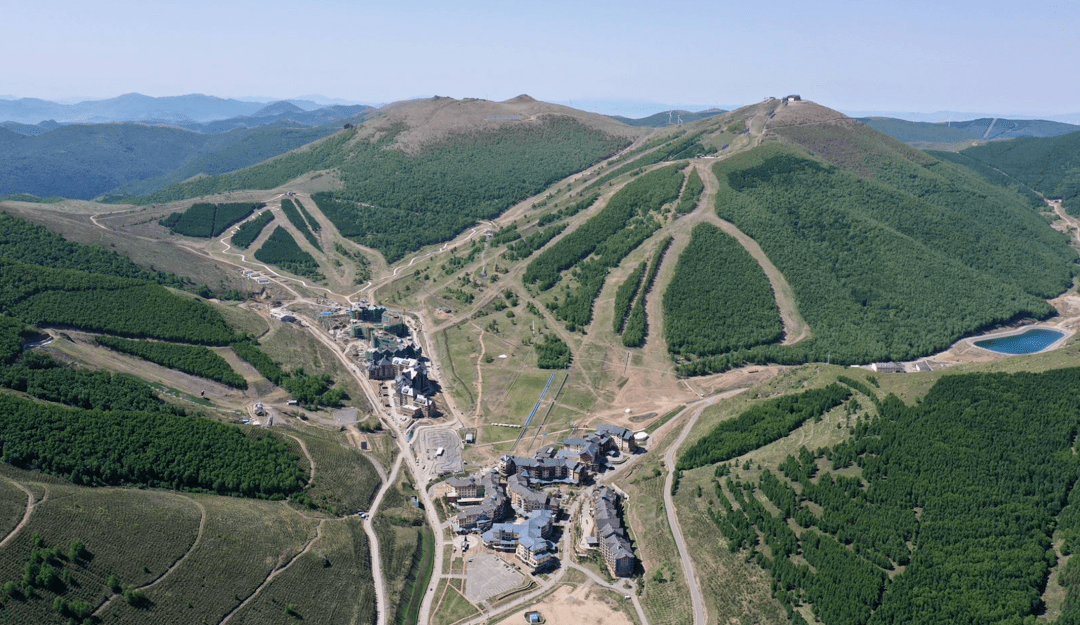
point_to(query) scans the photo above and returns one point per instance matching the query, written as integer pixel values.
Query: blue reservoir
(1029, 342)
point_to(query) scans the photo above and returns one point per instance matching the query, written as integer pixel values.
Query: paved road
(673, 520)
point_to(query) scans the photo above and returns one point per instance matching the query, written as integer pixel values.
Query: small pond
(1029, 342)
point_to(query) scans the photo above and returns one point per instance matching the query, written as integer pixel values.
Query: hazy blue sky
(1001, 57)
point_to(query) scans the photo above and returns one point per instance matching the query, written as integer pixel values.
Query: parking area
(487, 576)
(450, 460)
(346, 416)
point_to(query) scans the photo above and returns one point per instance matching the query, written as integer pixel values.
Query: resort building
(610, 534)
(528, 538)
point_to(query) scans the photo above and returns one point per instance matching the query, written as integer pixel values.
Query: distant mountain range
(982, 129)
(668, 118)
(952, 116)
(132, 107)
(86, 160)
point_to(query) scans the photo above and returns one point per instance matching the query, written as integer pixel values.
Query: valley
(395, 310)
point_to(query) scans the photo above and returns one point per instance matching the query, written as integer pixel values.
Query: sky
(986, 56)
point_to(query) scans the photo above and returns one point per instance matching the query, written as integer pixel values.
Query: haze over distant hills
(668, 118)
(982, 129)
(192, 108)
(947, 116)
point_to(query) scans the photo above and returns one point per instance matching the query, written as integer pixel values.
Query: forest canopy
(967, 491)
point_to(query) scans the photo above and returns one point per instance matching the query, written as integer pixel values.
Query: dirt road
(700, 618)
(373, 542)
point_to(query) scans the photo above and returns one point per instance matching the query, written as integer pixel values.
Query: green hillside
(942, 512)
(397, 202)
(893, 264)
(945, 207)
(1050, 165)
(242, 148)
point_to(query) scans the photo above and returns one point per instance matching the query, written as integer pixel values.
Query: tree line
(154, 449)
(760, 425)
(206, 220)
(719, 298)
(525, 247)
(624, 297)
(111, 305)
(39, 375)
(603, 242)
(312, 391)
(30, 243)
(281, 249)
(634, 334)
(249, 231)
(297, 220)
(193, 359)
(691, 193)
(568, 211)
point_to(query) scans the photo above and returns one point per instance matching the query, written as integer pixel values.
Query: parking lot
(346, 416)
(450, 461)
(487, 576)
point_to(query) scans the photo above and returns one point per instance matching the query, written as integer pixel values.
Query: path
(795, 327)
(26, 515)
(311, 461)
(198, 538)
(276, 572)
(1071, 221)
(700, 617)
(479, 374)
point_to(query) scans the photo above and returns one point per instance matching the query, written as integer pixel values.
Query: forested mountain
(86, 160)
(892, 254)
(1050, 166)
(983, 129)
(284, 111)
(421, 172)
(128, 107)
